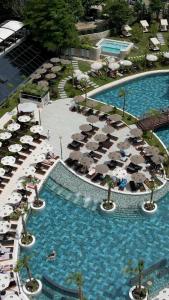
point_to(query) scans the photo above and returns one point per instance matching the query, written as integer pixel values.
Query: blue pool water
(143, 94)
(95, 245)
(113, 47)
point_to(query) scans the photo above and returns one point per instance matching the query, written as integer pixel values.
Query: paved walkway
(163, 295)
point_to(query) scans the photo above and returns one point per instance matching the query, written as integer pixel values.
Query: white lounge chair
(145, 25)
(154, 44)
(163, 25)
(126, 30)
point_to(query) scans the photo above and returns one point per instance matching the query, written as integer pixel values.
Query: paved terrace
(58, 121)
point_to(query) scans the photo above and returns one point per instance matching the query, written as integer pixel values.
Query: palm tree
(77, 278)
(34, 182)
(109, 201)
(139, 271)
(84, 83)
(152, 188)
(153, 113)
(24, 263)
(123, 94)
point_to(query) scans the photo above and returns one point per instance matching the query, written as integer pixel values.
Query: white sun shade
(154, 41)
(144, 23)
(5, 33)
(164, 22)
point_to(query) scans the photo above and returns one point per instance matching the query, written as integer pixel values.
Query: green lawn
(84, 66)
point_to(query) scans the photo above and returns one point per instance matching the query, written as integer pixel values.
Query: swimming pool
(113, 47)
(143, 94)
(88, 242)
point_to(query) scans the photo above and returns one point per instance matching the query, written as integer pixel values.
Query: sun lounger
(112, 165)
(118, 125)
(97, 177)
(112, 137)
(101, 150)
(69, 162)
(107, 144)
(133, 186)
(40, 171)
(6, 256)
(9, 243)
(94, 154)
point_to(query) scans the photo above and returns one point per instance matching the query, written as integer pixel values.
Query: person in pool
(52, 255)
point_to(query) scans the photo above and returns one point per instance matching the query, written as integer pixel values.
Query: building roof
(9, 28)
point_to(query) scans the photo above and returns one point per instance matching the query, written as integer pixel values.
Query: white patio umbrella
(8, 160)
(13, 126)
(5, 210)
(5, 135)
(0, 144)
(50, 76)
(15, 148)
(43, 83)
(82, 77)
(24, 119)
(56, 69)
(55, 60)
(77, 73)
(65, 62)
(26, 139)
(35, 76)
(78, 99)
(39, 157)
(46, 148)
(27, 107)
(166, 55)
(114, 66)
(126, 63)
(2, 172)
(41, 71)
(36, 129)
(97, 65)
(120, 173)
(47, 66)
(14, 198)
(151, 57)
(4, 281)
(110, 59)
(30, 171)
(4, 228)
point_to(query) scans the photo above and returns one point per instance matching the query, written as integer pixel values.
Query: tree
(77, 278)
(140, 10)
(52, 23)
(123, 94)
(15, 8)
(155, 7)
(109, 200)
(34, 181)
(139, 290)
(76, 8)
(119, 13)
(88, 3)
(137, 33)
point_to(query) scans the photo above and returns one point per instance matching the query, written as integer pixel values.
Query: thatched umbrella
(92, 119)
(136, 132)
(115, 118)
(114, 155)
(77, 136)
(65, 62)
(106, 108)
(102, 169)
(151, 150)
(91, 103)
(137, 159)
(78, 99)
(86, 161)
(85, 127)
(108, 129)
(96, 65)
(41, 71)
(35, 76)
(75, 155)
(123, 145)
(157, 159)
(100, 137)
(92, 146)
(138, 177)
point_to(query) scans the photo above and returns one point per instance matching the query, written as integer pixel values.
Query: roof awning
(13, 25)
(5, 33)
(164, 22)
(155, 41)
(144, 23)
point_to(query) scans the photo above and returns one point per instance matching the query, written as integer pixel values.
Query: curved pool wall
(88, 242)
(94, 193)
(144, 91)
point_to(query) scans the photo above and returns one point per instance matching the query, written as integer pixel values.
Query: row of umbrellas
(112, 64)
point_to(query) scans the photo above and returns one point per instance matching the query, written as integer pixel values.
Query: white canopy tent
(126, 30)
(154, 43)
(144, 25)
(13, 25)
(8, 32)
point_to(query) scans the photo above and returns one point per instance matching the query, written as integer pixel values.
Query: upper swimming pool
(113, 47)
(143, 94)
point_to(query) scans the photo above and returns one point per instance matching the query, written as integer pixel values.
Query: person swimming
(52, 255)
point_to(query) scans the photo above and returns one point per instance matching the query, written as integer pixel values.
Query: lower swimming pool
(96, 245)
(142, 94)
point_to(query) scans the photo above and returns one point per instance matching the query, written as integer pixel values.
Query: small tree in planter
(32, 284)
(77, 278)
(139, 292)
(123, 94)
(150, 205)
(26, 237)
(108, 204)
(37, 202)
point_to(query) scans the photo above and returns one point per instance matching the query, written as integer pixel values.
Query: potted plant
(137, 292)
(27, 240)
(38, 203)
(108, 205)
(77, 278)
(32, 286)
(150, 206)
